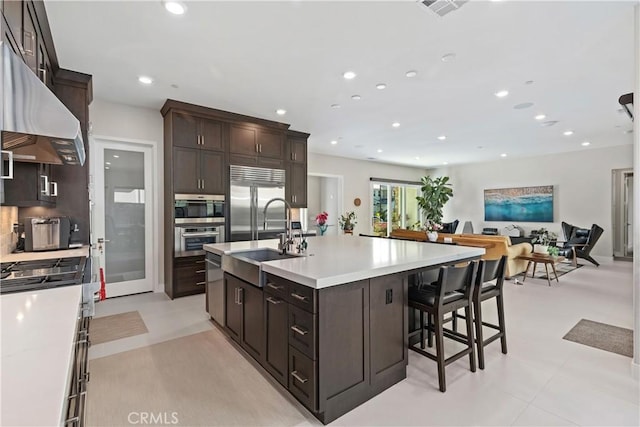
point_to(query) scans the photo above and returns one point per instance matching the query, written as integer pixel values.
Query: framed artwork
(523, 204)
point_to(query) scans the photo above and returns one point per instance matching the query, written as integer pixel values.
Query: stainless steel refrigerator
(251, 189)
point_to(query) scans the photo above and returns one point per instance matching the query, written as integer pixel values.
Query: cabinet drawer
(302, 296)
(302, 378)
(302, 331)
(277, 287)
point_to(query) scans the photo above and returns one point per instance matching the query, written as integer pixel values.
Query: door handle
(54, 185)
(274, 301)
(102, 240)
(240, 295)
(297, 376)
(298, 296)
(45, 185)
(299, 330)
(202, 139)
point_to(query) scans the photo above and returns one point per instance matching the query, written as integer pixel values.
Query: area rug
(600, 335)
(562, 268)
(117, 326)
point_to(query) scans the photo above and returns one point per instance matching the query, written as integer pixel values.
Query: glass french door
(122, 220)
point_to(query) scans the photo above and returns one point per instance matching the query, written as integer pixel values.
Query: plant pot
(432, 236)
(541, 249)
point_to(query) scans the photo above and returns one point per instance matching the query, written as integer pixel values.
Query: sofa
(494, 246)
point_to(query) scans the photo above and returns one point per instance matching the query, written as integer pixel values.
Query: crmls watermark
(155, 418)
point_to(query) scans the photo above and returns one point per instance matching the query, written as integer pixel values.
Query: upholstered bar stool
(489, 283)
(452, 291)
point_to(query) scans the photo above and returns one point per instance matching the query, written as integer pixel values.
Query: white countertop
(334, 260)
(38, 331)
(32, 256)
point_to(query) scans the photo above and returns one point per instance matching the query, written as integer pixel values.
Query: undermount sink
(247, 264)
(263, 255)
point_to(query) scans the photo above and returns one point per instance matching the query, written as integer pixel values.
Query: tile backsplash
(8, 239)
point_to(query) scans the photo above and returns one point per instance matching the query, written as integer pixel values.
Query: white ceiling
(254, 57)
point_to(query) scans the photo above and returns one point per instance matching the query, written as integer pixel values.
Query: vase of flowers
(348, 222)
(432, 231)
(321, 222)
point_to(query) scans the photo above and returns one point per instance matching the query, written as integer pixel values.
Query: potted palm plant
(436, 192)
(348, 222)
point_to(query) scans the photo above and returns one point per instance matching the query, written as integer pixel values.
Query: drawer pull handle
(299, 297)
(273, 300)
(201, 271)
(276, 287)
(200, 261)
(297, 376)
(297, 329)
(201, 283)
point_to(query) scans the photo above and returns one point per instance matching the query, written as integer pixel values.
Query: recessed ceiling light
(395, 124)
(448, 57)
(549, 123)
(379, 150)
(411, 73)
(356, 97)
(523, 105)
(335, 105)
(334, 142)
(106, 167)
(417, 158)
(540, 117)
(281, 112)
(442, 137)
(349, 75)
(567, 133)
(503, 155)
(445, 163)
(115, 156)
(145, 80)
(502, 93)
(586, 144)
(381, 86)
(175, 7)
(107, 163)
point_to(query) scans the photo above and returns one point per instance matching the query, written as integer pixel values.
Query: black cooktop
(40, 274)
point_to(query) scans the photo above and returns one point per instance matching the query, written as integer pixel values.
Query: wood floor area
(187, 366)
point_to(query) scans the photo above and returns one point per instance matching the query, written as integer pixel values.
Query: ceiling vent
(442, 7)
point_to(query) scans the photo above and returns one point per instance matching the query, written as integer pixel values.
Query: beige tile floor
(543, 381)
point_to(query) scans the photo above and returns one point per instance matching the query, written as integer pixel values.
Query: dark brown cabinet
(296, 187)
(198, 171)
(32, 185)
(12, 11)
(244, 315)
(298, 150)
(30, 38)
(196, 132)
(255, 145)
(189, 275)
(276, 356)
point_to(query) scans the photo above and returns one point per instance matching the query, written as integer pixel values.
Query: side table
(541, 259)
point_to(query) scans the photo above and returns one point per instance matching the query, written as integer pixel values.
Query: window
(394, 206)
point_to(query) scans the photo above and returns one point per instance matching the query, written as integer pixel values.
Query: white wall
(127, 123)
(313, 198)
(356, 174)
(329, 194)
(582, 188)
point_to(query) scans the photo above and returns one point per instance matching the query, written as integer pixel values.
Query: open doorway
(324, 194)
(622, 215)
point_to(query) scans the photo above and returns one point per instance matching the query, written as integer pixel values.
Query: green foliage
(553, 250)
(435, 194)
(543, 236)
(348, 221)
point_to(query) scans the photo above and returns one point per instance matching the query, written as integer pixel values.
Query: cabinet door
(30, 38)
(233, 310)
(188, 280)
(45, 188)
(253, 333)
(298, 150)
(276, 356)
(12, 11)
(186, 170)
(212, 172)
(297, 181)
(27, 186)
(387, 302)
(184, 130)
(211, 135)
(243, 140)
(270, 144)
(44, 65)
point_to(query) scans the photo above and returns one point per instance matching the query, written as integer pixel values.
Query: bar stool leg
(429, 333)
(469, 321)
(440, 351)
(454, 322)
(501, 324)
(477, 308)
(422, 329)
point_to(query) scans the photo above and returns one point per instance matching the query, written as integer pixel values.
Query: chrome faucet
(286, 239)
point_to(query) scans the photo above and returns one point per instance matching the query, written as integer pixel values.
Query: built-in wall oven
(199, 220)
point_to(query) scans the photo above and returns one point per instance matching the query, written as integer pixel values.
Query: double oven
(199, 220)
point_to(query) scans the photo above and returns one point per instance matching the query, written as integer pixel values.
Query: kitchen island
(331, 325)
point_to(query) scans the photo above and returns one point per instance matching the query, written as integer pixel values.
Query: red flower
(321, 218)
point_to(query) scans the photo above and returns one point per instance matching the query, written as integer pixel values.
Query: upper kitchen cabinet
(256, 146)
(198, 171)
(12, 30)
(296, 184)
(194, 132)
(32, 185)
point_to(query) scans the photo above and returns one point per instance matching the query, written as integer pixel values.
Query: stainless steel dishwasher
(215, 288)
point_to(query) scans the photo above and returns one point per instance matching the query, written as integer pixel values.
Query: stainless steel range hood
(35, 125)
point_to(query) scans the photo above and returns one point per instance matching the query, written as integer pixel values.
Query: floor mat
(603, 336)
(562, 268)
(117, 326)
